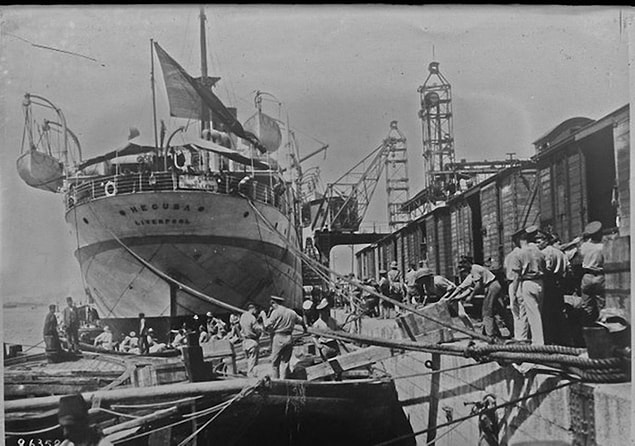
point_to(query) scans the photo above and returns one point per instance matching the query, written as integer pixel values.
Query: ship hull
(214, 243)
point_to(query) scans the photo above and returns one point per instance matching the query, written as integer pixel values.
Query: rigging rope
(314, 264)
(243, 393)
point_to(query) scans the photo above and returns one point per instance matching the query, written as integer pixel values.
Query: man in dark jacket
(51, 338)
(71, 325)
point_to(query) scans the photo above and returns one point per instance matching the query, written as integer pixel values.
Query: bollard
(193, 359)
(598, 342)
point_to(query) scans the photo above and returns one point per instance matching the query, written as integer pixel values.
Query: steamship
(213, 213)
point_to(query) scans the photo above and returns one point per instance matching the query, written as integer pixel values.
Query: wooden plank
(359, 358)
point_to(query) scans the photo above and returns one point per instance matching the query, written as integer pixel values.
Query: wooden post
(173, 304)
(193, 360)
(161, 392)
(434, 399)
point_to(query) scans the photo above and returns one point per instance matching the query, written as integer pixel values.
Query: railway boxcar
(584, 174)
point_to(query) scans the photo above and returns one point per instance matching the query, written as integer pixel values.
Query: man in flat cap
(592, 284)
(529, 268)
(72, 415)
(280, 323)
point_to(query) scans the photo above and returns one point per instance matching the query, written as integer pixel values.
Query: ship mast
(205, 118)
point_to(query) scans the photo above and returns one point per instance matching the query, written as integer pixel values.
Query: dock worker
(385, 307)
(554, 321)
(396, 282)
(436, 286)
(104, 339)
(327, 347)
(71, 325)
(180, 338)
(130, 343)
(412, 293)
(251, 330)
(203, 335)
(592, 286)
(480, 278)
(280, 323)
(143, 335)
(51, 337)
(308, 311)
(529, 269)
(72, 415)
(154, 346)
(521, 324)
(421, 276)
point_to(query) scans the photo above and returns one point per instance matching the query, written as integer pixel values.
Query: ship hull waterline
(213, 243)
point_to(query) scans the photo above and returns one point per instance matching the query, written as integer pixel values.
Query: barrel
(52, 348)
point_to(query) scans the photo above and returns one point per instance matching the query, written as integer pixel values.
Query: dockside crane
(345, 201)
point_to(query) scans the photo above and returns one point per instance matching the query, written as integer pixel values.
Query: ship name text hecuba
(166, 219)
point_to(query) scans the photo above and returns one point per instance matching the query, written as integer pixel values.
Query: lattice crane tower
(438, 133)
(397, 189)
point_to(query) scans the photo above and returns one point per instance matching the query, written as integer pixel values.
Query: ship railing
(87, 190)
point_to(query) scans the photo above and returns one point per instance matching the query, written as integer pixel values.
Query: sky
(342, 74)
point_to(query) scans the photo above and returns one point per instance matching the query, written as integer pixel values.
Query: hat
(393, 264)
(69, 298)
(209, 314)
(593, 228)
(382, 271)
(277, 298)
(531, 230)
(613, 319)
(150, 330)
(307, 305)
(72, 408)
(133, 334)
(323, 304)
(106, 328)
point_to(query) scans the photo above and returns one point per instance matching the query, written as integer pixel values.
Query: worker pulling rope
(593, 370)
(317, 266)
